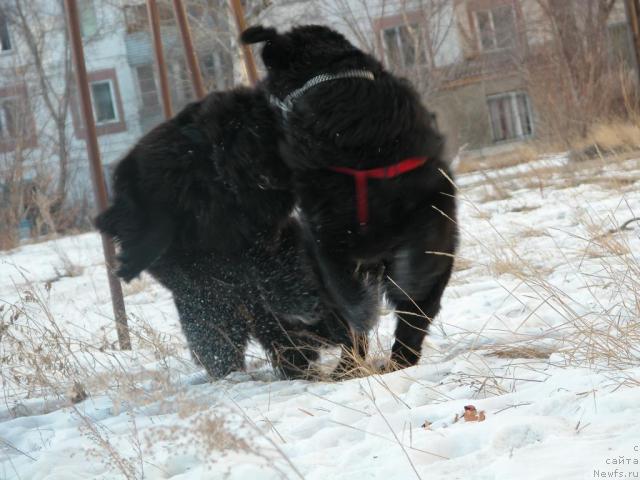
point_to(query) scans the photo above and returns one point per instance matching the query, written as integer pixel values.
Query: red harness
(362, 176)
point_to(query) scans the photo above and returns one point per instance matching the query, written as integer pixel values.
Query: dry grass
(604, 332)
(518, 154)
(611, 138)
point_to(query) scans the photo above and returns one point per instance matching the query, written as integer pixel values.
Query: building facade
(42, 137)
(485, 67)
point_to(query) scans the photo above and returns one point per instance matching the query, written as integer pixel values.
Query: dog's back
(210, 179)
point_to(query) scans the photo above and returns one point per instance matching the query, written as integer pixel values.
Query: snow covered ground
(540, 329)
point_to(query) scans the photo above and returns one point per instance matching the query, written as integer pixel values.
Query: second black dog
(368, 170)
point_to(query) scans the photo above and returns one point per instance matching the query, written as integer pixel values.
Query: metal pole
(154, 22)
(633, 15)
(99, 187)
(249, 62)
(187, 42)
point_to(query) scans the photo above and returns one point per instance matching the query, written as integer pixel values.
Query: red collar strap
(362, 176)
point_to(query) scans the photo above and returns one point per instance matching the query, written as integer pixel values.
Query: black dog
(203, 202)
(367, 169)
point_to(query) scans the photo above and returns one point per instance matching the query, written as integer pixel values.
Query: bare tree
(37, 168)
(409, 36)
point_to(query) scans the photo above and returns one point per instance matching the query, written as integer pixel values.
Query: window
(620, 44)
(150, 103)
(217, 69)
(181, 88)
(107, 173)
(510, 116)
(208, 65)
(496, 28)
(5, 39)
(104, 108)
(88, 18)
(137, 19)
(13, 123)
(108, 109)
(404, 45)
(17, 128)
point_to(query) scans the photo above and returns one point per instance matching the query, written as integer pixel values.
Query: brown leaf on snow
(471, 414)
(426, 425)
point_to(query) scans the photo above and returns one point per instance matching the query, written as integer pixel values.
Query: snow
(539, 329)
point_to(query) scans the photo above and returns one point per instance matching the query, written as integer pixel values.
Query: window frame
(27, 138)
(83, 7)
(520, 38)
(419, 54)
(102, 128)
(109, 82)
(148, 110)
(406, 20)
(489, 10)
(3, 118)
(4, 22)
(514, 110)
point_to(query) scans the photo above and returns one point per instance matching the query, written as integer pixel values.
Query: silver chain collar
(286, 105)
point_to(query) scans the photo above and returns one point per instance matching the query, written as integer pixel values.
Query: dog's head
(303, 52)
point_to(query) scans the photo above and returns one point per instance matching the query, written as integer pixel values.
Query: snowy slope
(540, 329)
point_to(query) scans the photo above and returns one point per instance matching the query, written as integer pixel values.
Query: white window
(5, 38)
(496, 28)
(12, 118)
(148, 89)
(510, 116)
(404, 46)
(103, 97)
(88, 18)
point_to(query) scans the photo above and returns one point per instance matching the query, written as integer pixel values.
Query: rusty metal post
(633, 16)
(249, 61)
(189, 51)
(99, 187)
(154, 23)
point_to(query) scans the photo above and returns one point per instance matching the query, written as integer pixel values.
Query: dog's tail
(142, 240)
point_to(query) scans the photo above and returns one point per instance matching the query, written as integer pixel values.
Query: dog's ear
(258, 34)
(277, 51)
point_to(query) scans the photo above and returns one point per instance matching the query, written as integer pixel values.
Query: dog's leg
(285, 278)
(290, 349)
(356, 300)
(416, 284)
(215, 330)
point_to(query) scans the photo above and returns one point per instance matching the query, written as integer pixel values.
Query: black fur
(203, 203)
(363, 124)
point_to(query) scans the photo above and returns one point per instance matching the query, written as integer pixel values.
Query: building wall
(462, 78)
(110, 51)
